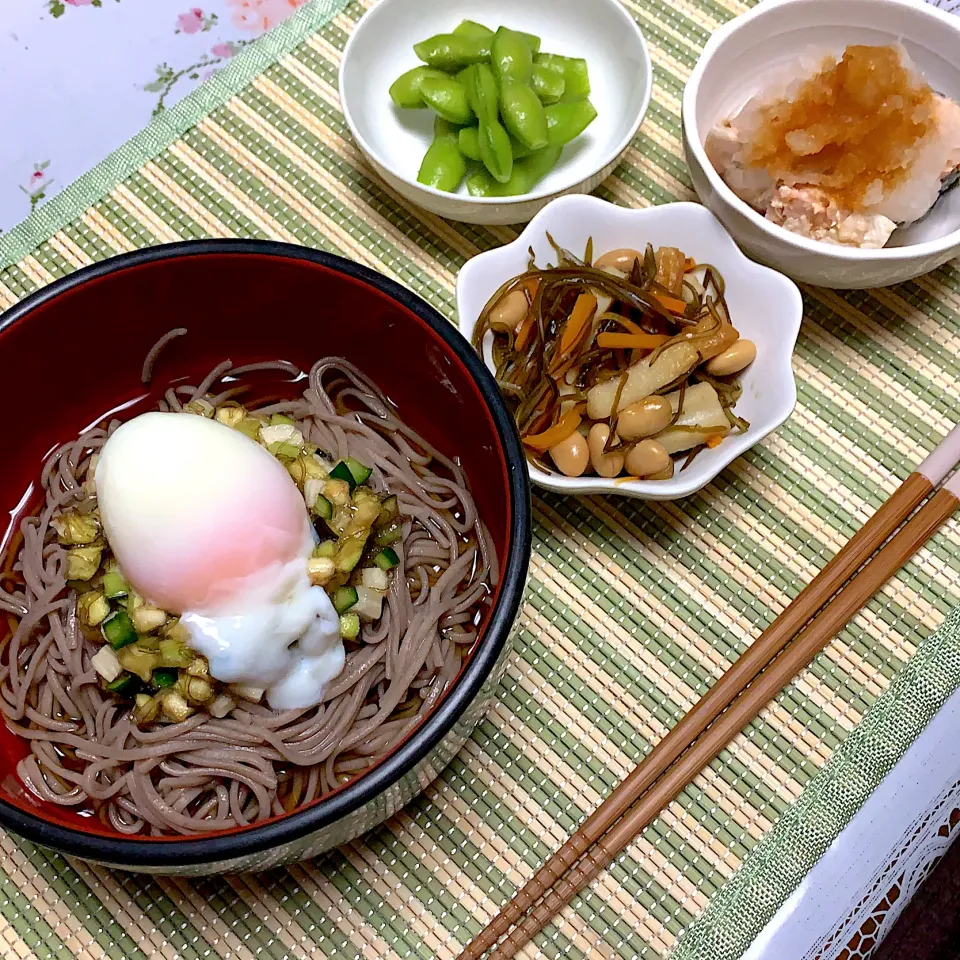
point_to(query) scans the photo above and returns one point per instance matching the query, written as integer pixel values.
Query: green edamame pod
(469, 142)
(448, 98)
(470, 28)
(575, 74)
(405, 90)
(527, 173)
(523, 114)
(443, 165)
(481, 87)
(447, 51)
(568, 120)
(510, 57)
(548, 83)
(533, 41)
(481, 184)
(495, 149)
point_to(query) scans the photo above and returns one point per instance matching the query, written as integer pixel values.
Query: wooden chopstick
(742, 672)
(745, 708)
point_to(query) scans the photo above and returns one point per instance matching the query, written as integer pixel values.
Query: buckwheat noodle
(208, 774)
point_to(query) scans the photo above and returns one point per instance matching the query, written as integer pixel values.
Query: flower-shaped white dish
(764, 306)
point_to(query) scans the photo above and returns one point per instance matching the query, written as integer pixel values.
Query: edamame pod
(575, 74)
(405, 90)
(510, 57)
(548, 83)
(527, 173)
(523, 114)
(470, 28)
(495, 150)
(448, 98)
(469, 142)
(443, 165)
(565, 121)
(448, 51)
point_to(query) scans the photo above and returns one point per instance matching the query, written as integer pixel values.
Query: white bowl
(381, 49)
(731, 70)
(764, 306)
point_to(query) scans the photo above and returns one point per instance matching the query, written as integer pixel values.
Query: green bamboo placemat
(635, 608)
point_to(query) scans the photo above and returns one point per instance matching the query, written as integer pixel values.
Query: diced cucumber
(358, 470)
(386, 559)
(389, 534)
(249, 427)
(326, 549)
(348, 556)
(118, 630)
(388, 511)
(349, 626)
(342, 472)
(114, 585)
(126, 685)
(323, 507)
(277, 418)
(344, 599)
(174, 654)
(164, 677)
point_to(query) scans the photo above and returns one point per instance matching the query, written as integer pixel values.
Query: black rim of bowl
(295, 826)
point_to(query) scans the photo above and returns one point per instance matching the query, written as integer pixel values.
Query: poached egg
(207, 524)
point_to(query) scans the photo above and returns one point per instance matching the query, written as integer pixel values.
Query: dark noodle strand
(204, 773)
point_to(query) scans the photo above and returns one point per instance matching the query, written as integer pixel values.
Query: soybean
(448, 98)
(405, 90)
(510, 312)
(621, 259)
(734, 359)
(647, 458)
(443, 165)
(572, 455)
(644, 418)
(604, 464)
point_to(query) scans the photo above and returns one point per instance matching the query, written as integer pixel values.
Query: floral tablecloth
(89, 74)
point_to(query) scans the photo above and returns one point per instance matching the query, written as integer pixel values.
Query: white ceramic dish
(394, 141)
(730, 71)
(764, 306)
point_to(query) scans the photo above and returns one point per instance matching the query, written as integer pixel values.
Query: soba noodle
(204, 774)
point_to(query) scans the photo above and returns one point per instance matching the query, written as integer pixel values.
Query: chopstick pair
(751, 682)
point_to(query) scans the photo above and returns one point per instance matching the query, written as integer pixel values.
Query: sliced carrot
(671, 303)
(714, 441)
(525, 332)
(541, 442)
(630, 341)
(627, 324)
(583, 310)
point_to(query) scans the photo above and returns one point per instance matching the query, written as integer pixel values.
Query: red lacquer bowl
(74, 351)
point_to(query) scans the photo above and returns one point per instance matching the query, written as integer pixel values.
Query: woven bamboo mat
(634, 608)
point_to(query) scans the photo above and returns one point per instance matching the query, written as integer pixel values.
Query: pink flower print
(260, 15)
(222, 50)
(78, 3)
(191, 21)
(36, 175)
